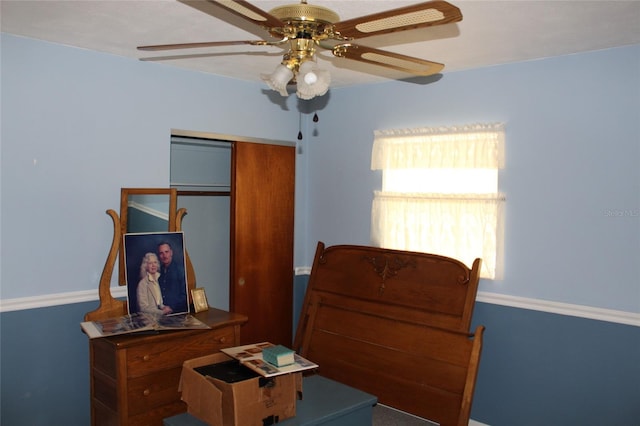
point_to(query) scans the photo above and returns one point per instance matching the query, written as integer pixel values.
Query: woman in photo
(148, 291)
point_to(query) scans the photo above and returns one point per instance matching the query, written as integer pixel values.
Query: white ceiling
(491, 32)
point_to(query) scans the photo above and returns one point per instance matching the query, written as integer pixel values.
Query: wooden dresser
(134, 378)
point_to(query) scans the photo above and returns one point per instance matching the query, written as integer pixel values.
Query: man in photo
(172, 280)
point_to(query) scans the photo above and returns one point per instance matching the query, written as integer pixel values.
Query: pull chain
(315, 120)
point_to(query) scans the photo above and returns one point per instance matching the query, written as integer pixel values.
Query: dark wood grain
(395, 324)
(262, 240)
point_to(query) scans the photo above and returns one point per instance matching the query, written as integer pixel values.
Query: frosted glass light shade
(278, 79)
(312, 81)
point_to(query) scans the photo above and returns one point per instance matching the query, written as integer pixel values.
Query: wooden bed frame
(395, 324)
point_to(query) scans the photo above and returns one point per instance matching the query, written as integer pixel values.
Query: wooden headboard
(394, 324)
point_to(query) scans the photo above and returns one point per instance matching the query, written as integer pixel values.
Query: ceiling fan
(302, 28)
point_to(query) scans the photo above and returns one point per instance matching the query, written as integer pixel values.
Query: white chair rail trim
(43, 301)
(610, 315)
(581, 311)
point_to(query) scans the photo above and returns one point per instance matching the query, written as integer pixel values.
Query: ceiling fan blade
(206, 55)
(243, 9)
(396, 61)
(404, 18)
(202, 44)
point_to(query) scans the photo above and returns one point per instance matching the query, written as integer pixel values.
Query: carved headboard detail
(387, 268)
(432, 289)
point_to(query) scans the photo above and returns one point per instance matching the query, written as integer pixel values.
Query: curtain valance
(474, 146)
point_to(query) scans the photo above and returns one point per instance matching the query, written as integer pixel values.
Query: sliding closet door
(262, 204)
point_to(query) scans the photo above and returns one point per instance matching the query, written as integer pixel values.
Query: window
(440, 192)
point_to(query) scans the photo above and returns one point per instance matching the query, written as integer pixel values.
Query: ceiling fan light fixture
(279, 79)
(312, 81)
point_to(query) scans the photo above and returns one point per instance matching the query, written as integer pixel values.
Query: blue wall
(144, 222)
(539, 368)
(78, 129)
(536, 368)
(79, 125)
(572, 181)
(45, 367)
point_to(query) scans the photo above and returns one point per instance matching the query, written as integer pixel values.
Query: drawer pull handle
(146, 358)
(222, 339)
(146, 392)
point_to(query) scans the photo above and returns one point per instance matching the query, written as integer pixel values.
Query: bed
(395, 324)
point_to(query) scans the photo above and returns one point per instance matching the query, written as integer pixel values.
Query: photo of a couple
(155, 273)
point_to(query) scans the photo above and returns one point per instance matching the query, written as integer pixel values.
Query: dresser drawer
(171, 352)
(148, 392)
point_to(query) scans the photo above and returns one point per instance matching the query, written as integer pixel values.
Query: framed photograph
(199, 299)
(155, 265)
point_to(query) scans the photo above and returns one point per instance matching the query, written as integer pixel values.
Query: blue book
(278, 355)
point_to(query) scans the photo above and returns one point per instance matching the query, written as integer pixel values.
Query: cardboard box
(258, 401)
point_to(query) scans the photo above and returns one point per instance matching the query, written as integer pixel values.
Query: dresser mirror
(146, 210)
(200, 169)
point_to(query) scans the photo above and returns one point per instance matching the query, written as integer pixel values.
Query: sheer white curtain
(440, 192)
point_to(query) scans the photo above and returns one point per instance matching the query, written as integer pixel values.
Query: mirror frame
(124, 205)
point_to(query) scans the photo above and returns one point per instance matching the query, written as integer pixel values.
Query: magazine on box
(251, 356)
(140, 322)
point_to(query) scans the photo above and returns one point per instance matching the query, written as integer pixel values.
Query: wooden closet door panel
(262, 204)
